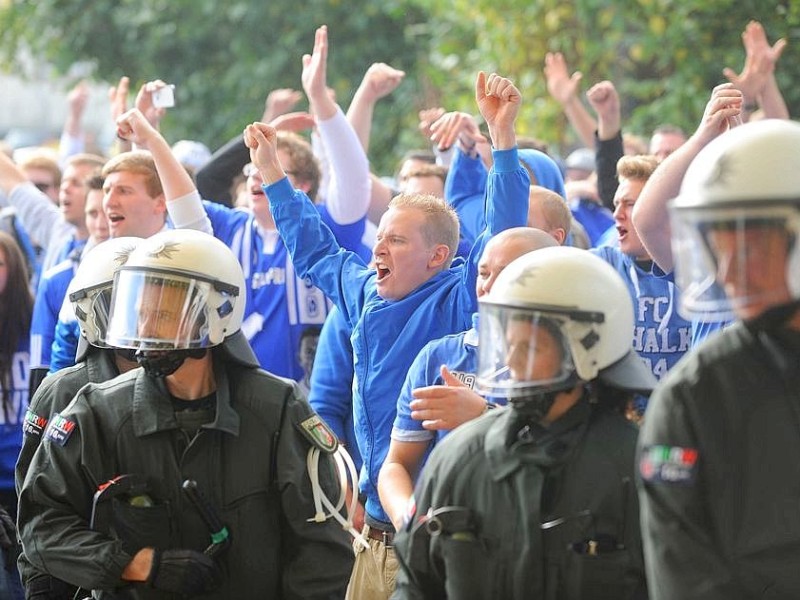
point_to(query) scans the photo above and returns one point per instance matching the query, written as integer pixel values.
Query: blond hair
(139, 162)
(637, 168)
(441, 221)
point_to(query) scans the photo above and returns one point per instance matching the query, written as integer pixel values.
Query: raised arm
(564, 90)
(348, 194)
(757, 80)
(508, 186)
(180, 193)
(604, 99)
(72, 135)
(379, 81)
(650, 215)
(215, 179)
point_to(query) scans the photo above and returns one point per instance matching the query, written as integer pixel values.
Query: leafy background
(663, 55)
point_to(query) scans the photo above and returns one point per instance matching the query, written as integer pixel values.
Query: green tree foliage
(223, 57)
(664, 56)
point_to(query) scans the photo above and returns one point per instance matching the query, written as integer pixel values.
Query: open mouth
(383, 272)
(621, 232)
(114, 219)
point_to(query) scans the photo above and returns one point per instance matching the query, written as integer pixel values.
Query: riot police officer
(537, 500)
(110, 502)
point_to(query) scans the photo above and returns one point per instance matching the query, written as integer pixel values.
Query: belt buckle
(387, 539)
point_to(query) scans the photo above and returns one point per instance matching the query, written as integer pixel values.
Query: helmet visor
(151, 310)
(735, 262)
(521, 350)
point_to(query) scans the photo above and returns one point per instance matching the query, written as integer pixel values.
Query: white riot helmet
(180, 289)
(554, 317)
(90, 288)
(736, 222)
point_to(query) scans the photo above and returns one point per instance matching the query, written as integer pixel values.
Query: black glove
(8, 540)
(184, 572)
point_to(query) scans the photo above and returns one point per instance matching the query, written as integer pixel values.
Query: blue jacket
(387, 335)
(331, 394)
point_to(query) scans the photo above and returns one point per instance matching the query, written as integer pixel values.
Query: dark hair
(16, 307)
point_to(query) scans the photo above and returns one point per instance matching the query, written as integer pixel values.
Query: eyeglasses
(43, 187)
(251, 170)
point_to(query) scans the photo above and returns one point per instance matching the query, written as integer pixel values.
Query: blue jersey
(49, 298)
(388, 335)
(661, 336)
(12, 415)
(280, 304)
(701, 329)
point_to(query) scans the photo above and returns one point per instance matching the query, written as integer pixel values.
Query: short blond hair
(554, 208)
(637, 168)
(441, 221)
(139, 162)
(42, 161)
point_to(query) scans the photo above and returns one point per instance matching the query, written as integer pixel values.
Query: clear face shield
(521, 351)
(92, 307)
(153, 310)
(736, 262)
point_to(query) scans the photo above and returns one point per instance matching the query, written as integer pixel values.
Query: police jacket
(513, 510)
(250, 462)
(53, 396)
(719, 471)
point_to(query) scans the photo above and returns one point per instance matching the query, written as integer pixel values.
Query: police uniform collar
(152, 410)
(507, 450)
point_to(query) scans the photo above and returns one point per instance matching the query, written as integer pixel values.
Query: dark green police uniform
(511, 510)
(53, 396)
(249, 461)
(719, 465)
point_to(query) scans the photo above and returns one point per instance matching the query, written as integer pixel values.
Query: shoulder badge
(34, 424)
(668, 464)
(319, 434)
(59, 429)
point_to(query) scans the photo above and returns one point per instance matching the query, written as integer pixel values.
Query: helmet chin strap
(774, 318)
(535, 405)
(162, 363)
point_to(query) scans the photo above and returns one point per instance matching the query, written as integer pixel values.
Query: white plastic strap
(344, 468)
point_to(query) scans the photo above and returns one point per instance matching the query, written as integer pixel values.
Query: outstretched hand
(499, 101)
(562, 86)
(144, 102)
(314, 77)
(446, 406)
(456, 126)
(759, 63)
